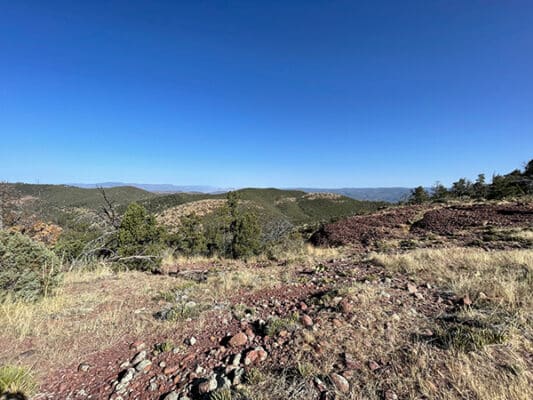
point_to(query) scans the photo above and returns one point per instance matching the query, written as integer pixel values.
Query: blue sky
(265, 93)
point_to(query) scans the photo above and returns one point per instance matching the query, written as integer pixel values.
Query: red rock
(240, 339)
(188, 358)
(351, 363)
(251, 357)
(250, 333)
(345, 306)
(170, 370)
(411, 288)
(137, 345)
(307, 321)
(466, 300)
(373, 365)
(303, 306)
(337, 323)
(340, 382)
(347, 374)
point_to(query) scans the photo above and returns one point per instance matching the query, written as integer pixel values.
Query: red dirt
(211, 349)
(400, 223)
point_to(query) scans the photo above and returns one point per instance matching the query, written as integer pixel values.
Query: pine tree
(140, 238)
(244, 230)
(191, 237)
(418, 195)
(439, 192)
(479, 188)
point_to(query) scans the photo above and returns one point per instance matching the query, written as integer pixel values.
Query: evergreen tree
(439, 192)
(191, 236)
(139, 235)
(461, 188)
(479, 188)
(244, 230)
(246, 234)
(418, 195)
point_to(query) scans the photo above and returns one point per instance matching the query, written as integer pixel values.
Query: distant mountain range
(389, 194)
(155, 187)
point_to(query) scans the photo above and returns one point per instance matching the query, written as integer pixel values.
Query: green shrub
(468, 336)
(220, 394)
(28, 270)
(140, 239)
(16, 380)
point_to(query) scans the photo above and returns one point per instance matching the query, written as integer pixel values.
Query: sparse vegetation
(28, 270)
(16, 381)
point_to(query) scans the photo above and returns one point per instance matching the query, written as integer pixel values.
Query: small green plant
(254, 376)
(320, 268)
(241, 311)
(305, 369)
(181, 311)
(220, 394)
(16, 380)
(276, 325)
(468, 337)
(164, 347)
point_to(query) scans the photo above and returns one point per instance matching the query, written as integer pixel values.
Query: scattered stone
(373, 365)
(345, 306)
(143, 366)
(191, 341)
(337, 323)
(236, 359)
(466, 300)
(84, 367)
(126, 376)
(251, 357)
(307, 321)
(208, 385)
(170, 370)
(340, 382)
(139, 357)
(171, 396)
(319, 384)
(390, 395)
(237, 376)
(411, 288)
(240, 339)
(351, 363)
(138, 346)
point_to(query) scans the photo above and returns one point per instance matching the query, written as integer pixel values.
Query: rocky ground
(399, 313)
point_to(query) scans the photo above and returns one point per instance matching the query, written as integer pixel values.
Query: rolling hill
(53, 202)
(295, 206)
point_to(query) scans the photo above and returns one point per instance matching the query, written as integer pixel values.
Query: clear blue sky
(265, 93)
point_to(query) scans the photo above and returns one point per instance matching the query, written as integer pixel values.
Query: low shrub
(28, 270)
(16, 381)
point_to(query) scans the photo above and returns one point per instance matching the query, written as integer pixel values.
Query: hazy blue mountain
(154, 187)
(390, 194)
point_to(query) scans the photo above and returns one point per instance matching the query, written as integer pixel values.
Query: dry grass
(504, 278)
(92, 308)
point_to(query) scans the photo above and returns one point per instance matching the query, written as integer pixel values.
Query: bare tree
(108, 211)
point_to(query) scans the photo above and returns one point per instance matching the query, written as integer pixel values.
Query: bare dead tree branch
(109, 210)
